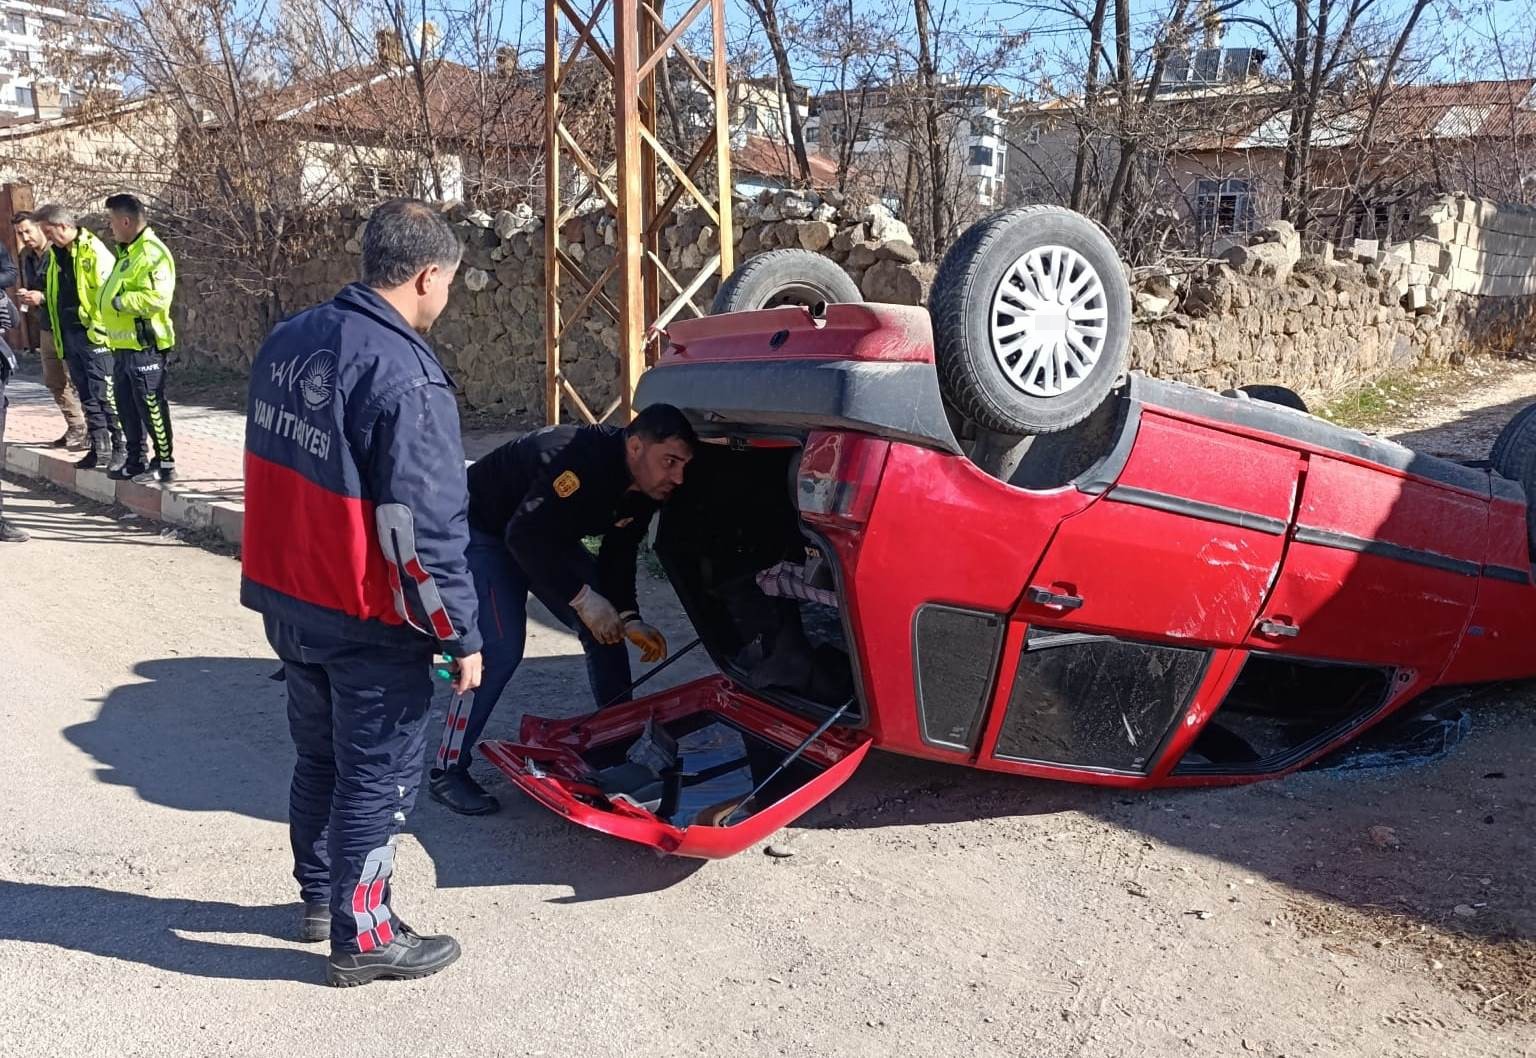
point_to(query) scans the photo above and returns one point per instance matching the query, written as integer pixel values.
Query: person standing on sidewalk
(10, 316)
(354, 553)
(34, 269)
(135, 309)
(77, 267)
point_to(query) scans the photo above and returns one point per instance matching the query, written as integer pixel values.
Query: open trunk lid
(699, 770)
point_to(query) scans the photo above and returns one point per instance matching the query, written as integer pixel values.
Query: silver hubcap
(1049, 320)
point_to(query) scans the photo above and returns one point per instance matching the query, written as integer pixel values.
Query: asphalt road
(145, 901)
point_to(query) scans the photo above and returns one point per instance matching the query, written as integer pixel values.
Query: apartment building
(27, 93)
(880, 122)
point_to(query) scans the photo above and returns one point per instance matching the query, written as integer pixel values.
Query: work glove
(652, 644)
(598, 614)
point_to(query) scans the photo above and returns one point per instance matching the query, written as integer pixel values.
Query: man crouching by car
(531, 503)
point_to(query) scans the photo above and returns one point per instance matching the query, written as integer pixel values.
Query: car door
(1183, 545)
(1382, 568)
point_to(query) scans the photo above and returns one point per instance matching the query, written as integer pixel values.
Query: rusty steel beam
(552, 323)
(643, 184)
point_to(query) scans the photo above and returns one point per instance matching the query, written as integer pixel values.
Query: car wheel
(784, 277)
(1281, 395)
(1504, 455)
(1514, 456)
(1032, 320)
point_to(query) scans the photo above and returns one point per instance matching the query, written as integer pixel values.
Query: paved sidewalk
(210, 490)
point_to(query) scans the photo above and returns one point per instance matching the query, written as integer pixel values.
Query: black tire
(1514, 456)
(974, 380)
(1281, 395)
(784, 277)
(1500, 455)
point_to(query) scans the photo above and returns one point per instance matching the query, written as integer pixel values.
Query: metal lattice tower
(643, 184)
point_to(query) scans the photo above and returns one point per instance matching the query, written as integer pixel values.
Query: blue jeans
(358, 716)
(503, 588)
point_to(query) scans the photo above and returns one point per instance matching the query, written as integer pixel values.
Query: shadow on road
(204, 734)
(209, 735)
(152, 930)
(1458, 828)
(1468, 436)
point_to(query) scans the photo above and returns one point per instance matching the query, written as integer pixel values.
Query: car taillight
(839, 473)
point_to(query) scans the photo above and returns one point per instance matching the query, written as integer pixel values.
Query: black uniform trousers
(139, 377)
(90, 368)
(358, 716)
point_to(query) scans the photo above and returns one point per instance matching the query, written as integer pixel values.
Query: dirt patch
(1494, 977)
(1452, 412)
(1435, 882)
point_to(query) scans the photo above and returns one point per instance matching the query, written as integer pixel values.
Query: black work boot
(11, 533)
(100, 455)
(407, 956)
(157, 473)
(461, 793)
(125, 470)
(315, 923)
(120, 452)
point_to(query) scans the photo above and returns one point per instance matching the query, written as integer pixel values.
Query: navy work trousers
(502, 588)
(358, 714)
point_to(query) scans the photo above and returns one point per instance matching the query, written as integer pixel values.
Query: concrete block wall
(1477, 247)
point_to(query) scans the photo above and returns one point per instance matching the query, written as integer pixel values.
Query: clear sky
(1454, 40)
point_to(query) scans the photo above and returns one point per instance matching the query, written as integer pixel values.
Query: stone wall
(1323, 320)
(491, 336)
(1318, 319)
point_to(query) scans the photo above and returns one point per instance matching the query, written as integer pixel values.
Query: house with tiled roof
(1375, 157)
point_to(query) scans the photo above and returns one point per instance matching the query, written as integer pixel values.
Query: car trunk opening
(714, 766)
(700, 770)
(762, 586)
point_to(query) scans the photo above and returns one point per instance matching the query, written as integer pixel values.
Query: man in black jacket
(9, 317)
(531, 504)
(39, 335)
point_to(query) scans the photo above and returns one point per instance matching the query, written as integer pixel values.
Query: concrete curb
(171, 504)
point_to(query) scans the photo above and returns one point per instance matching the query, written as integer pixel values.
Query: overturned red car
(965, 534)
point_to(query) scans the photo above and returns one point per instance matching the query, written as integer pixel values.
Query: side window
(1096, 702)
(955, 653)
(1281, 710)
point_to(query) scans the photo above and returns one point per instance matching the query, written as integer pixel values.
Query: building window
(24, 95)
(1030, 132)
(375, 183)
(981, 156)
(17, 24)
(1224, 207)
(20, 60)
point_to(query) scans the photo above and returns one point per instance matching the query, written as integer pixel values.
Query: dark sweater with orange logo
(548, 490)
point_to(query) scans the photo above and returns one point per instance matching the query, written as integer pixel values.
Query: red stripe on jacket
(313, 544)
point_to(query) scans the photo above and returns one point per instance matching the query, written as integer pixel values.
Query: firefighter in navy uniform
(353, 551)
(531, 503)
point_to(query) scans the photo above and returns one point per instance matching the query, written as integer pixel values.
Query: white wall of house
(338, 172)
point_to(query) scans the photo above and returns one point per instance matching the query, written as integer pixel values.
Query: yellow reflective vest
(92, 263)
(135, 301)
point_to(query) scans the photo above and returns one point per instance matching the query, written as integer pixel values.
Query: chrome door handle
(1279, 629)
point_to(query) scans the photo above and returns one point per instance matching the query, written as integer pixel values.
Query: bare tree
(768, 15)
